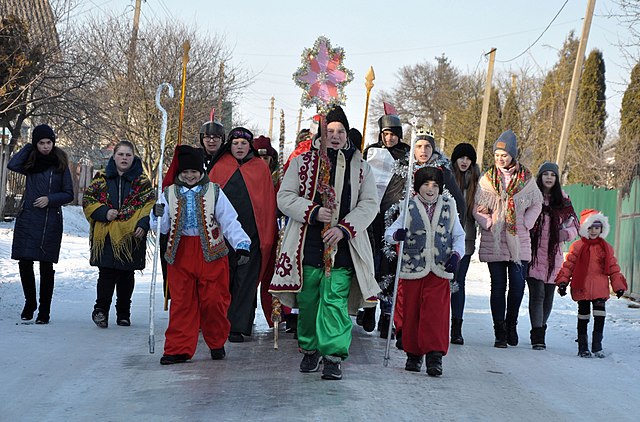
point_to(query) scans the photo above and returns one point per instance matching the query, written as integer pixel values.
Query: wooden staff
(276, 306)
(185, 58)
(369, 78)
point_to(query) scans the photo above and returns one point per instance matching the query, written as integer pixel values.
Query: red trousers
(426, 309)
(199, 300)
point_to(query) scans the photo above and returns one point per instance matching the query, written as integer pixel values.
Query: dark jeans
(457, 299)
(122, 281)
(540, 301)
(499, 272)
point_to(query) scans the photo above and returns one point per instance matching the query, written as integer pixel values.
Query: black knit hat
(549, 166)
(42, 132)
(189, 158)
(337, 115)
(464, 150)
(426, 174)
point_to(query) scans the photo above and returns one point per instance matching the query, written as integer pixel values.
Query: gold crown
(424, 131)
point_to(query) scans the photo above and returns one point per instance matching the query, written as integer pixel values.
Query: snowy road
(70, 370)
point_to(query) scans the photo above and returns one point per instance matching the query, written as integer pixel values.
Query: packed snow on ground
(72, 370)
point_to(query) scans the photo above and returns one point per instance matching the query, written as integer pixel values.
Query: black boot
(537, 338)
(399, 340)
(383, 325)
(500, 330)
(291, 321)
(434, 364)
(596, 345)
(583, 346)
(46, 292)
(369, 319)
(29, 289)
(512, 333)
(456, 331)
(414, 363)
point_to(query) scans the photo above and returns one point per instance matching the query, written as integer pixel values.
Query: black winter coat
(118, 188)
(38, 231)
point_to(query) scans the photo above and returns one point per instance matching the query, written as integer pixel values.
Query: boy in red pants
(434, 242)
(197, 216)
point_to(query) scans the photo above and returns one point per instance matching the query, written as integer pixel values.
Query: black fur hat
(190, 158)
(426, 174)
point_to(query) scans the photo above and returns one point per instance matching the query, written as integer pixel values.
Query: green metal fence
(624, 215)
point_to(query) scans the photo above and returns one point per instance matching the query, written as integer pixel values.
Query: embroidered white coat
(295, 199)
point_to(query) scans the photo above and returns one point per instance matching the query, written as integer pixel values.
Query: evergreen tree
(628, 146)
(552, 103)
(584, 152)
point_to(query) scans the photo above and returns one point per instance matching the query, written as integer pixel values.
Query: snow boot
(369, 319)
(537, 338)
(456, 331)
(596, 345)
(434, 364)
(500, 330)
(331, 369)
(583, 346)
(360, 317)
(399, 340)
(123, 322)
(383, 325)
(512, 332)
(414, 363)
(100, 318)
(310, 361)
(236, 337)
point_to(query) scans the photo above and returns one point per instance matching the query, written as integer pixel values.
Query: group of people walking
(338, 253)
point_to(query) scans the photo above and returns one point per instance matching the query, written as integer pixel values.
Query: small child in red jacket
(590, 266)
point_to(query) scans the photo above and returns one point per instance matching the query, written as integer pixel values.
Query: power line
(537, 39)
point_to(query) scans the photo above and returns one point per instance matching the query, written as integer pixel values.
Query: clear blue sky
(268, 37)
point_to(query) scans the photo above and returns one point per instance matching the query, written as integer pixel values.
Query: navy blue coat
(118, 188)
(38, 231)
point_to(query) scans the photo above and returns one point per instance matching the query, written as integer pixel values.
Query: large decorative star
(323, 76)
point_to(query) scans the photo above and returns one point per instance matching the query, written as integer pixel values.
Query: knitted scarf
(518, 181)
(582, 264)
(135, 206)
(557, 216)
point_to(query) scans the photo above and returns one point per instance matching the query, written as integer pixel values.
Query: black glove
(562, 289)
(400, 235)
(158, 209)
(243, 256)
(619, 293)
(452, 263)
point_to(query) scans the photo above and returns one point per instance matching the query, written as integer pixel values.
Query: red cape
(257, 179)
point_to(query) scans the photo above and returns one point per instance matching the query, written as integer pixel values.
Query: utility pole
(273, 101)
(573, 91)
(485, 108)
(444, 130)
(220, 92)
(131, 57)
(299, 121)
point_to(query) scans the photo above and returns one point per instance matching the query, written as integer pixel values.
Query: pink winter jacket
(495, 243)
(540, 270)
(596, 284)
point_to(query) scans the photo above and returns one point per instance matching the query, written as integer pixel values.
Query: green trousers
(324, 323)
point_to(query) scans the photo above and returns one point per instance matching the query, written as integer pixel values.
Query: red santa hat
(590, 216)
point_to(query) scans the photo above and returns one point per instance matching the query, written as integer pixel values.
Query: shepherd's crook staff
(369, 78)
(276, 306)
(154, 272)
(405, 211)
